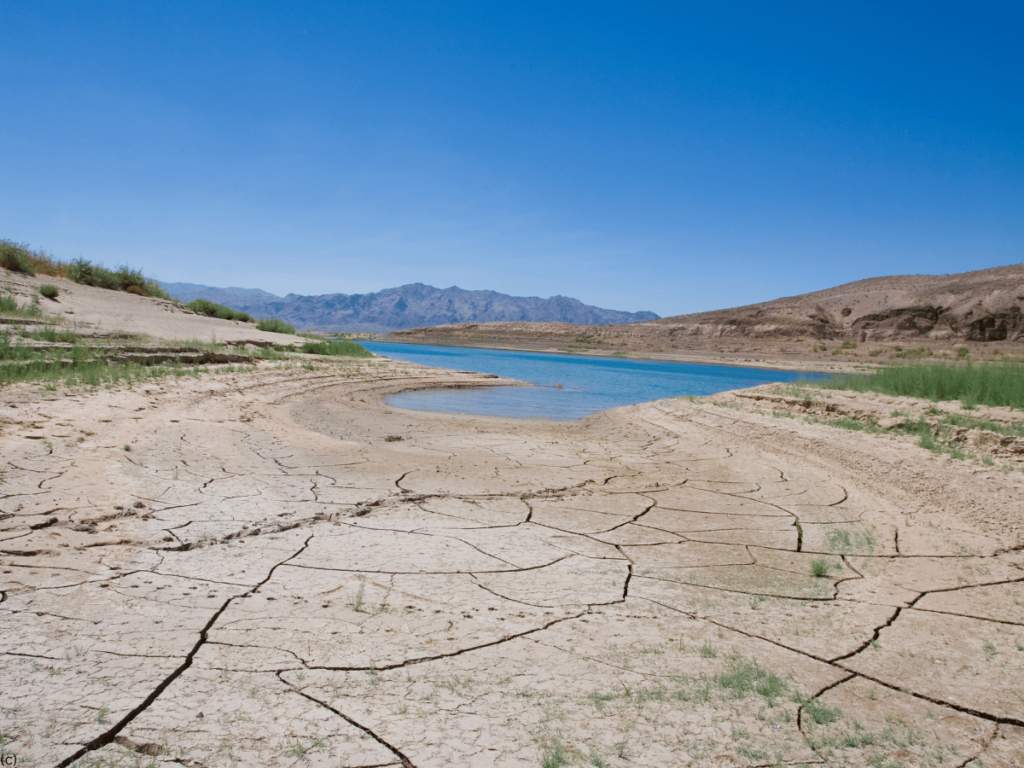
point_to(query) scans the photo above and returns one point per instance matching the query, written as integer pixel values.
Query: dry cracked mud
(278, 569)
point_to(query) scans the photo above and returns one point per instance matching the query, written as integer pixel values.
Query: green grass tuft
(743, 676)
(818, 711)
(336, 349)
(16, 257)
(49, 291)
(10, 307)
(273, 325)
(212, 309)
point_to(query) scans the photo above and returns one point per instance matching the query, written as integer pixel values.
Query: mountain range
(408, 306)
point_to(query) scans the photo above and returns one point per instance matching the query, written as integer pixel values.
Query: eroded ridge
(280, 569)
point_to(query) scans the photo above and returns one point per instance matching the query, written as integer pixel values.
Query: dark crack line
(969, 616)
(459, 652)
(406, 762)
(33, 656)
(819, 694)
(432, 573)
(940, 702)
(105, 738)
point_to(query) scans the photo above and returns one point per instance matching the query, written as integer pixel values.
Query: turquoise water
(588, 384)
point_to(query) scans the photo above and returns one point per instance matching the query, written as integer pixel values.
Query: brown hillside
(973, 306)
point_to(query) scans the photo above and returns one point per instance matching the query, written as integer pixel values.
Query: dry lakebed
(275, 568)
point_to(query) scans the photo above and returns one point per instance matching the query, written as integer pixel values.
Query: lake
(587, 384)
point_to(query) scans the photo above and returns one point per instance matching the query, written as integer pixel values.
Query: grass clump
(9, 306)
(818, 711)
(49, 291)
(273, 325)
(16, 257)
(553, 754)
(336, 349)
(820, 567)
(845, 541)
(124, 278)
(52, 335)
(212, 309)
(743, 676)
(996, 384)
(913, 354)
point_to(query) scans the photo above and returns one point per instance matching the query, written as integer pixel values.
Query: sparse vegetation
(273, 325)
(123, 278)
(212, 309)
(9, 306)
(16, 257)
(912, 354)
(844, 540)
(75, 360)
(818, 711)
(820, 567)
(743, 676)
(49, 291)
(336, 349)
(357, 603)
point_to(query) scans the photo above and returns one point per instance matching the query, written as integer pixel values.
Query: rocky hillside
(973, 306)
(408, 306)
(985, 305)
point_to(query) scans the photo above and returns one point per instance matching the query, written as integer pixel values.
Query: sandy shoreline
(283, 570)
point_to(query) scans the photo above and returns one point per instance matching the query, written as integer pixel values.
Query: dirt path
(282, 570)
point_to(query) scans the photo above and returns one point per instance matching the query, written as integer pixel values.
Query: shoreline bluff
(277, 568)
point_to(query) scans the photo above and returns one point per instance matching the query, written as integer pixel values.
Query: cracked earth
(278, 569)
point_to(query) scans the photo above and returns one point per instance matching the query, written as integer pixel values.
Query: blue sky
(674, 157)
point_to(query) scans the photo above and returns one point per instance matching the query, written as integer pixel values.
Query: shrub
(16, 257)
(336, 349)
(212, 309)
(914, 354)
(153, 289)
(49, 291)
(84, 272)
(9, 306)
(275, 326)
(819, 567)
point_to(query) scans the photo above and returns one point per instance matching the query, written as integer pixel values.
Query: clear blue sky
(666, 156)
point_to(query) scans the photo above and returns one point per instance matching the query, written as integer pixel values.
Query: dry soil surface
(275, 568)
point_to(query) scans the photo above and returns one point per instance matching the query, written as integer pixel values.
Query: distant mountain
(409, 306)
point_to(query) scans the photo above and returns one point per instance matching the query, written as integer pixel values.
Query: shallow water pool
(566, 386)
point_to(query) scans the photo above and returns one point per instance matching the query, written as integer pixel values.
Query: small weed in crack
(357, 604)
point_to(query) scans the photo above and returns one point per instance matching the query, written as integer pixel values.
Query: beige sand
(101, 312)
